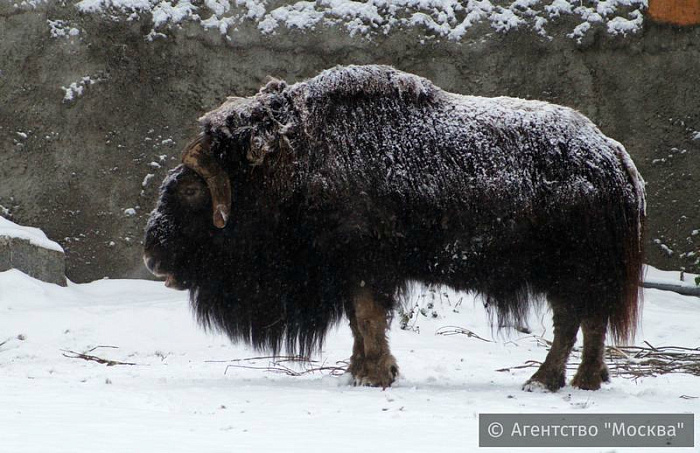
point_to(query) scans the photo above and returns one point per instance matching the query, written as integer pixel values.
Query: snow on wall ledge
(34, 235)
(30, 251)
(448, 19)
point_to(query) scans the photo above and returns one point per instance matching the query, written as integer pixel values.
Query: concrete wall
(73, 166)
(41, 263)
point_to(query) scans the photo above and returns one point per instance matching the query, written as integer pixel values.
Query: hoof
(380, 373)
(586, 382)
(535, 387)
(586, 379)
(543, 381)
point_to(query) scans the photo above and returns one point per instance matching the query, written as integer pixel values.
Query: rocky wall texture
(99, 97)
(41, 263)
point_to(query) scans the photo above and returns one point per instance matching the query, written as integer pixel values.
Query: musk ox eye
(191, 193)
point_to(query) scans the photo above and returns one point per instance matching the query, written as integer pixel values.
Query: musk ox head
(192, 212)
(191, 218)
(179, 227)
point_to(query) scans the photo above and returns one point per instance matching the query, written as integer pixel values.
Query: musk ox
(307, 202)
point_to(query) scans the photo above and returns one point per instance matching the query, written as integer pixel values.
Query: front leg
(357, 360)
(371, 363)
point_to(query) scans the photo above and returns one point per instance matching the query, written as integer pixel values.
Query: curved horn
(198, 157)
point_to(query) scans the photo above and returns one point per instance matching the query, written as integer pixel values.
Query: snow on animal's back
(396, 134)
(536, 126)
(552, 147)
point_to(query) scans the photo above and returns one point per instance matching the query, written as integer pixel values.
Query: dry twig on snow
(93, 358)
(456, 330)
(278, 365)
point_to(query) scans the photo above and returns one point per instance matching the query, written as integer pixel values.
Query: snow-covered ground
(180, 396)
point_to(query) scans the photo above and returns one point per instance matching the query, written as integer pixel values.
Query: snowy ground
(179, 397)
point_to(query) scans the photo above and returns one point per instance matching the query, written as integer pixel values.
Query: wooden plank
(675, 12)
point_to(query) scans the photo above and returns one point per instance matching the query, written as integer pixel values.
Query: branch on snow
(93, 358)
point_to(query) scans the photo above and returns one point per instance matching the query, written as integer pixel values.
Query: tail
(624, 314)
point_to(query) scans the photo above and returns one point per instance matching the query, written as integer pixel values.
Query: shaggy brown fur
(368, 174)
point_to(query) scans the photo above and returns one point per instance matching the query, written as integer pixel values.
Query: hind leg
(371, 362)
(552, 373)
(592, 372)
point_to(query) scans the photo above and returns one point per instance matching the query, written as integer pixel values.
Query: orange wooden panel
(676, 12)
